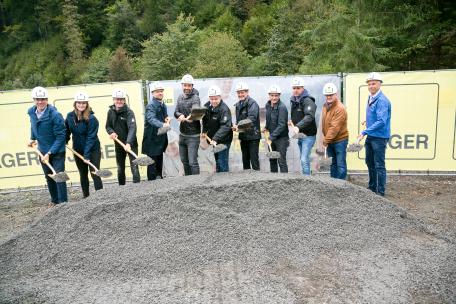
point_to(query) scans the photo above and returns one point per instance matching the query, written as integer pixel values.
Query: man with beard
(189, 138)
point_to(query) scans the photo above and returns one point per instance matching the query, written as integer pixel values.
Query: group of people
(216, 127)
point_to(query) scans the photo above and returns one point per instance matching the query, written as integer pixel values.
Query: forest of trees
(62, 42)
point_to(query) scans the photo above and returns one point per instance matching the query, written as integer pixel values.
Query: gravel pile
(229, 238)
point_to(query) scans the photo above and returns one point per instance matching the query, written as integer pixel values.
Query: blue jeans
(305, 146)
(222, 160)
(58, 191)
(338, 152)
(188, 151)
(375, 161)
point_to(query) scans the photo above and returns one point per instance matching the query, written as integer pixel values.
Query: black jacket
(303, 110)
(249, 108)
(184, 107)
(217, 123)
(122, 122)
(276, 120)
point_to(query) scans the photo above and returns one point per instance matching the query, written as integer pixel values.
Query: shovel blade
(245, 124)
(299, 136)
(144, 161)
(163, 130)
(219, 148)
(59, 177)
(103, 173)
(354, 147)
(273, 155)
(325, 164)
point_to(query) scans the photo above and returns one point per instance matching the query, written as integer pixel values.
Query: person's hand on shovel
(45, 158)
(127, 147)
(188, 118)
(234, 128)
(113, 135)
(31, 143)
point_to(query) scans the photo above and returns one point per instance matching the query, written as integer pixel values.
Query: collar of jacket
(160, 102)
(328, 106)
(46, 112)
(215, 109)
(298, 99)
(274, 106)
(121, 110)
(374, 98)
(244, 102)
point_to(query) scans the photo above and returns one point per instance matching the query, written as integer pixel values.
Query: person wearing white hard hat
(217, 126)
(335, 132)
(48, 131)
(303, 110)
(189, 138)
(276, 125)
(247, 107)
(82, 126)
(121, 124)
(378, 131)
(153, 144)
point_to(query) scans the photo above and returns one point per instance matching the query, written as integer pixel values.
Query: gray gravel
(229, 238)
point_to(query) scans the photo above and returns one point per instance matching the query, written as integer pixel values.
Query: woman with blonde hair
(82, 126)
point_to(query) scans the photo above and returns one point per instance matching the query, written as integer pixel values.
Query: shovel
(197, 113)
(270, 154)
(217, 148)
(244, 125)
(297, 135)
(165, 129)
(57, 177)
(325, 162)
(140, 161)
(356, 146)
(100, 173)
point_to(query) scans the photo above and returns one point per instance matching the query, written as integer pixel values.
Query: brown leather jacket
(334, 123)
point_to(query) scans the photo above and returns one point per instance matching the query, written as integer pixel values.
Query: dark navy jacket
(217, 123)
(276, 120)
(153, 144)
(85, 138)
(49, 130)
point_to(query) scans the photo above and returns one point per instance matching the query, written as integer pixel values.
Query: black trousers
(121, 155)
(280, 145)
(84, 168)
(156, 169)
(250, 154)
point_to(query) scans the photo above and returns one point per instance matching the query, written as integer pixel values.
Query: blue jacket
(378, 117)
(49, 130)
(153, 144)
(85, 138)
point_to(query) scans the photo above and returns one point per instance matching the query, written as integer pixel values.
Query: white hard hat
(297, 82)
(242, 86)
(329, 89)
(81, 96)
(156, 86)
(119, 93)
(39, 92)
(374, 76)
(187, 78)
(214, 91)
(274, 89)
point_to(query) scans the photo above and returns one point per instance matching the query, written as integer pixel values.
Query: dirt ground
(429, 198)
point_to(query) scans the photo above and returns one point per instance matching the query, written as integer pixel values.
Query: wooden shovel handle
(46, 162)
(125, 147)
(82, 157)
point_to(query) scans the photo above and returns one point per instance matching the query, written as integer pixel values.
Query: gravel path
(229, 238)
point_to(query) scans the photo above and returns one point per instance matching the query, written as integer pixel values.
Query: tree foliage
(51, 42)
